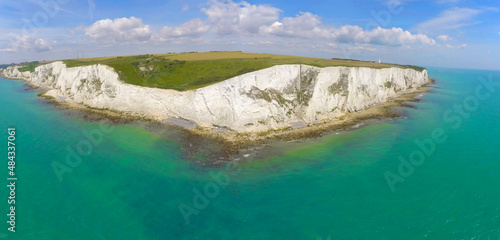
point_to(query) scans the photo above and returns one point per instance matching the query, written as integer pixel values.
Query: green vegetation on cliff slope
(185, 71)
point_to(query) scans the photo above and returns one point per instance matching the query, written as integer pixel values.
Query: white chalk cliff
(275, 97)
(14, 73)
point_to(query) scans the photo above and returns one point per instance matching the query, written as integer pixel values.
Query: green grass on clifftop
(29, 67)
(185, 71)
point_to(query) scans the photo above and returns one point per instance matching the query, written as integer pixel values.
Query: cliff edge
(278, 97)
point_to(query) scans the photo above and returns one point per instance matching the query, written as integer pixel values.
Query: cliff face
(275, 97)
(13, 72)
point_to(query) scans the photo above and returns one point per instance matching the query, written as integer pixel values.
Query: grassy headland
(30, 66)
(185, 71)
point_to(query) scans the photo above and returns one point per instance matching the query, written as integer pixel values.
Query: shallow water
(130, 185)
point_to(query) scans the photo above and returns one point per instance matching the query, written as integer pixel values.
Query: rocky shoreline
(232, 145)
(235, 141)
(229, 140)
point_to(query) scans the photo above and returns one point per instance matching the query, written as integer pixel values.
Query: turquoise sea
(138, 183)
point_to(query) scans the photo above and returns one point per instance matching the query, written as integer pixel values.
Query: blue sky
(442, 33)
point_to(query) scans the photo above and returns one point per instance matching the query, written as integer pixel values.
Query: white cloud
(457, 46)
(263, 21)
(228, 17)
(41, 45)
(185, 8)
(450, 19)
(304, 25)
(120, 29)
(382, 36)
(266, 42)
(307, 25)
(28, 43)
(193, 28)
(362, 48)
(444, 38)
(255, 25)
